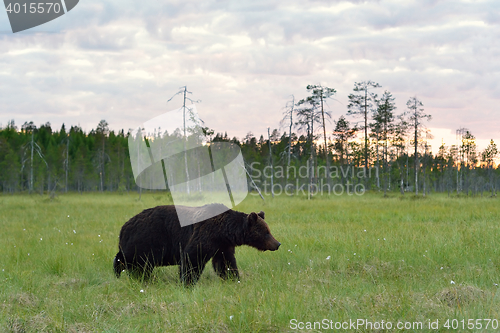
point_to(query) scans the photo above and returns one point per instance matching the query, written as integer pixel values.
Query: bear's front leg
(193, 262)
(224, 264)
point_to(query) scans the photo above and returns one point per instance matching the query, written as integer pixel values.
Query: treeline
(39, 159)
(370, 148)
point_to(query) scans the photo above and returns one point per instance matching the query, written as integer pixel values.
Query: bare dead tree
(184, 91)
(288, 116)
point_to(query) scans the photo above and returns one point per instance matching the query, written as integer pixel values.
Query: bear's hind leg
(140, 268)
(119, 264)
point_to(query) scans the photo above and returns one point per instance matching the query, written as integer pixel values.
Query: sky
(122, 61)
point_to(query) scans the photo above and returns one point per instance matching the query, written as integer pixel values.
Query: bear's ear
(261, 214)
(252, 217)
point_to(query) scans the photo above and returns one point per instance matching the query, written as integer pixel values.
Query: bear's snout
(274, 245)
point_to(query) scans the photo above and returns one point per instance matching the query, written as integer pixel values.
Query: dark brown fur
(154, 237)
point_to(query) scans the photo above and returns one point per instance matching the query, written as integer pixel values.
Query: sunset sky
(122, 60)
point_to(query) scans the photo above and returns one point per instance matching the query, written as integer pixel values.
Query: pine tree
(384, 120)
(359, 106)
(416, 113)
(488, 157)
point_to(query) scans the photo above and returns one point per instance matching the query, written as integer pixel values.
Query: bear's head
(258, 234)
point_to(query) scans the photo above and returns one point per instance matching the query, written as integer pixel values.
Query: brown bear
(154, 237)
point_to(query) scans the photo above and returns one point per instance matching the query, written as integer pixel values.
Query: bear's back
(159, 226)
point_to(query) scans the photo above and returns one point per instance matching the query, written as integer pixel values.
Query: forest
(370, 148)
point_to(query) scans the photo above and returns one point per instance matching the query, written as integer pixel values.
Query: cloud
(122, 60)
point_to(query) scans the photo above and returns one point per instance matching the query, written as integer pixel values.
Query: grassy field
(408, 260)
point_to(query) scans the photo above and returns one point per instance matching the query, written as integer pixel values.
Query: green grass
(390, 259)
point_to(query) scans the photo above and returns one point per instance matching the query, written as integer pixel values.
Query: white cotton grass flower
(74, 231)
(142, 290)
(452, 282)
(231, 317)
(68, 215)
(328, 258)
